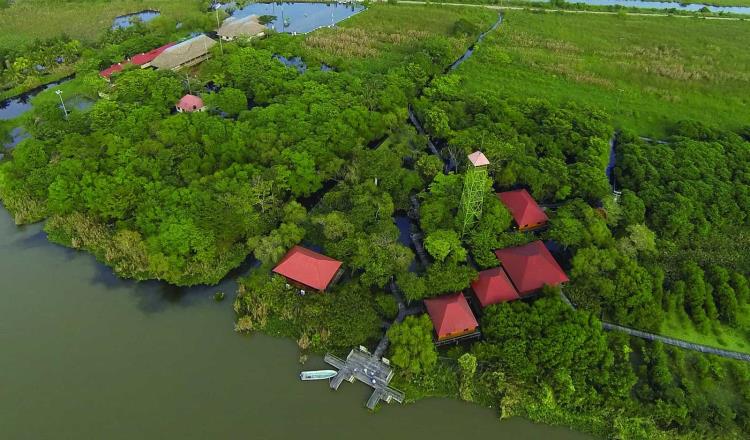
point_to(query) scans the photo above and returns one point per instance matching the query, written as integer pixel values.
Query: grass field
(678, 325)
(26, 20)
(385, 33)
(645, 71)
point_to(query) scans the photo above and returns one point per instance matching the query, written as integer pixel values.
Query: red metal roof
(493, 286)
(147, 57)
(114, 68)
(190, 103)
(308, 267)
(530, 267)
(522, 206)
(450, 314)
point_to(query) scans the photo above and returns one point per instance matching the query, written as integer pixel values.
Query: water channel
(15, 107)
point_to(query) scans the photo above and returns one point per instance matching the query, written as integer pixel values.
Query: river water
(299, 18)
(690, 7)
(85, 355)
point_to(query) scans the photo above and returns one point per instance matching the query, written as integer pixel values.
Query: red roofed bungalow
(527, 214)
(144, 59)
(308, 268)
(531, 267)
(109, 71)
(189, 104)
(451, 316)
(493, 286)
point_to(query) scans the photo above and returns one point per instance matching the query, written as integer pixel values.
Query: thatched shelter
(241, 27)
(187, 53)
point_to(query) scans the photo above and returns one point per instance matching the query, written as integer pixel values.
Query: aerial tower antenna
(472, 197)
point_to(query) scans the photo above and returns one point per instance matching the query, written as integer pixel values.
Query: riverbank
(146, 360)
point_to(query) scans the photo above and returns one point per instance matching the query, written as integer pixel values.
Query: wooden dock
(362, 366)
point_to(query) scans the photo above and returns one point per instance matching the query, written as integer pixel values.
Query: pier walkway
(368, 369)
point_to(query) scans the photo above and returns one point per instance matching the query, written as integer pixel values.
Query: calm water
(15, 107)
(300, 17)
(16, 135)
(84, 355)
(664, 5)
(124, 21)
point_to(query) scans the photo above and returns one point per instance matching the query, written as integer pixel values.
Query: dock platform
(362, 366)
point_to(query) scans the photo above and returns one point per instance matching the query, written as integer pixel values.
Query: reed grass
(27, 20)
(645, 71)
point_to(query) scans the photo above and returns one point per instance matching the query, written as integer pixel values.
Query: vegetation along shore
(467, 192)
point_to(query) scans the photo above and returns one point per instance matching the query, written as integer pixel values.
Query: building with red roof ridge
(451, 316)
(189, 104)
(144, 59)
(524, 209)
(308, 268)
(530, 267)
(111, 70)
(493, 286)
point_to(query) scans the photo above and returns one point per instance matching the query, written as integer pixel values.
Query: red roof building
(144, 59)
(190, 103)
(493, 286)
(109, 71)
(531, 267)
(308, 268)
(451, 316)
(527, 214)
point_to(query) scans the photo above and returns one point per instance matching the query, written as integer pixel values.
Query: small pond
(125, 21)
(299, 18)
(295, 62)
(16, 135)
(15, 107)
(665, 5)
(299, 64)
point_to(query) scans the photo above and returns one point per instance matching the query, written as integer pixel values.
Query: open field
(684, 69)
(26, 20)
(390, 33)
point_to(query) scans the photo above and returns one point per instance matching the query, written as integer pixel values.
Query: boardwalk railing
(677, 342)
(665, 339)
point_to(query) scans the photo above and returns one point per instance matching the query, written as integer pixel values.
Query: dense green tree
(411, 345)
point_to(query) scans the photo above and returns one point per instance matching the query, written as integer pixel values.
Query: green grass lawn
(678, 325)
(644, 71)
(384, 34)
(26, 20)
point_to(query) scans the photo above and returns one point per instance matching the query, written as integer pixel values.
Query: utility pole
(218, 25)
(187, 79)
(58, 92)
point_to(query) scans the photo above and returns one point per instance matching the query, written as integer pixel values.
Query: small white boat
(317, 374)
